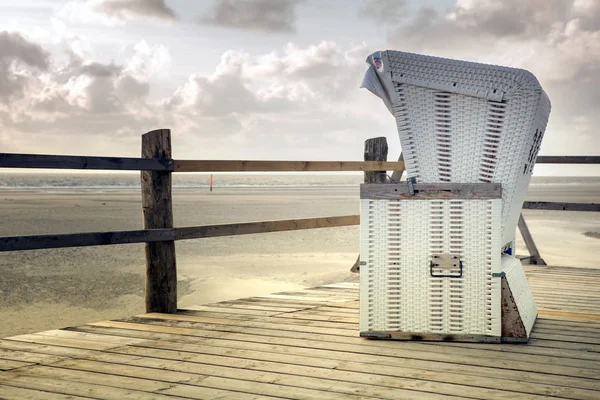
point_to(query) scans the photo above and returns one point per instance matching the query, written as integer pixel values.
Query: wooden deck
(305, 345)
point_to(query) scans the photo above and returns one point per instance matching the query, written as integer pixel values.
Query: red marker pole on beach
(211, 182)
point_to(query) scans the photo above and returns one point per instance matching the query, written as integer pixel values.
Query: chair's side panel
(521, 292)
(525, 119)
(528, 112)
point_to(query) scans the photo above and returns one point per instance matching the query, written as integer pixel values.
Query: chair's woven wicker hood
(485, 81)
(462, 121)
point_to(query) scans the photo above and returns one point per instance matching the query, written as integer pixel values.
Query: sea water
(587, 188)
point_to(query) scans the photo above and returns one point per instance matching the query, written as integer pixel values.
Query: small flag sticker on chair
(377, 62)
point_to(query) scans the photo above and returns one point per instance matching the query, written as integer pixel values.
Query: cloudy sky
(269, 79)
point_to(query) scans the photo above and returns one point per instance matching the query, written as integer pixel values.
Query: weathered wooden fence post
(157, 208)
(376, 149)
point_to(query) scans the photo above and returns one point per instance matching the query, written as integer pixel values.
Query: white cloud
(384, 12)
(84, 12)
(113, 12)
(128, 9)
(148, 61)
(20, 61)
(261, 15)
(15, 47)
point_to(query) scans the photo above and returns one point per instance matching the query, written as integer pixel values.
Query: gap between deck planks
(305, 345)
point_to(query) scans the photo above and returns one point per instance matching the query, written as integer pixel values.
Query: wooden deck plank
(27, 357)
(44, 349)
(571, 315)
(340, 310)
(70, 387)
(249, 306)
(328, 312)
(246, 326)
(194, 318)
(283, 319)
(17, 393)
(552, 323)
(322, 299)
(6, 365)
(41, 339)
(585, 284)
(114, 340)
(232, 310)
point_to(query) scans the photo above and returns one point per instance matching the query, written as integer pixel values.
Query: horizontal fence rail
(557, 206)
(10, 160)
(568, 160)
(36, 242)
(283, 166)
(265, 226)
(41, 161)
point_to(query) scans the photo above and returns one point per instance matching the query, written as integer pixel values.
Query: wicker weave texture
(398, 239)
(466, 122)
(517, 281)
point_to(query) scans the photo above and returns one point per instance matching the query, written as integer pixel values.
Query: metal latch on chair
(444, 265)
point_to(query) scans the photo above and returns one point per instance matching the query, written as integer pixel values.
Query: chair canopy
(464, 122)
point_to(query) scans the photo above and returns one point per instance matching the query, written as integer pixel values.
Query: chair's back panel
(467, 122)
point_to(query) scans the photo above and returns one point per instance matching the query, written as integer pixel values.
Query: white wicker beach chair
(458, 122)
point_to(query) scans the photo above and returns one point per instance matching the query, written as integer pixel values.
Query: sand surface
(47, 289)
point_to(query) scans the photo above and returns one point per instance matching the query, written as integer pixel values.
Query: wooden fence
(159, 235)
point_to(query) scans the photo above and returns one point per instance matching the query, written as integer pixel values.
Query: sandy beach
(48, 289)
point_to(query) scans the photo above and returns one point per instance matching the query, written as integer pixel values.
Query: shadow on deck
(305, 345)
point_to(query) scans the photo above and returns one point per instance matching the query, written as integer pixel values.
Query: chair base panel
(519, 311)
(439, 337)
